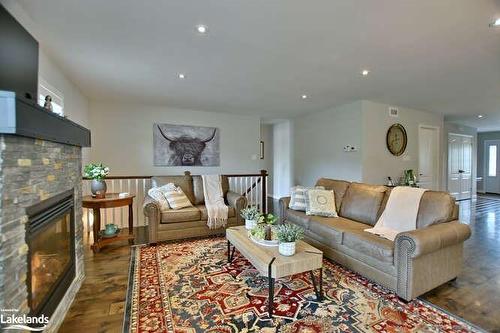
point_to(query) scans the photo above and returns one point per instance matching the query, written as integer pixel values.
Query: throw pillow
(176, 198)
(321, 203)
(298, 197)
(158, 196)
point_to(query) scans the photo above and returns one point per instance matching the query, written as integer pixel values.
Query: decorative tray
(103, 235)
(264, 242)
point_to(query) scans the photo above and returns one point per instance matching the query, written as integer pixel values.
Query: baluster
(121, 208)
(113, 191)
(136, 201)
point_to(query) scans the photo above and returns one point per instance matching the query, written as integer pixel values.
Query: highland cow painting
(178, 145)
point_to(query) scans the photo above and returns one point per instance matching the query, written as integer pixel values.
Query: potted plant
(251, 216)
(97, 172)
(287, 235)
(268, 220)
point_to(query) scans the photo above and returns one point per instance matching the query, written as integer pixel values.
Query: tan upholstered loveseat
(416, 262)
(191, 221)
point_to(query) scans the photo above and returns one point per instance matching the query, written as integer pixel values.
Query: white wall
(266, 135)
(378, 162)
(319, 141)
(123, 138)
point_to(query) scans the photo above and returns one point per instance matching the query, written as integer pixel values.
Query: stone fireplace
(41, 230)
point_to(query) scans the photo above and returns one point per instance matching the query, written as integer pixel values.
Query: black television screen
(18, 58)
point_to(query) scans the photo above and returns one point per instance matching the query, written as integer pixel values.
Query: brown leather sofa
(188, 222)
(416, 262)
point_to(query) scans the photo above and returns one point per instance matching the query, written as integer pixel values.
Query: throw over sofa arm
(151, 210)
(284, 203)
(236, 201)
(435, 252)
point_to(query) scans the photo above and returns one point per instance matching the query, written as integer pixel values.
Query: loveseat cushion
(435, 207)
(204, 213)
(362, 202)
(371, 245)
(297, 217)
(180, 215)
(339, 187)
(329, 230)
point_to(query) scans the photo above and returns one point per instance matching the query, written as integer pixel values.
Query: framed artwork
(180, 145)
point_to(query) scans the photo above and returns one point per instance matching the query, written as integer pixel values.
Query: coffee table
(270, 263)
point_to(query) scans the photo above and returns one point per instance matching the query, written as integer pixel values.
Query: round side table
(111, 200)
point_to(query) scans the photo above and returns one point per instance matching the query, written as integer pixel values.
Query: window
(45, 89)
(492, 163)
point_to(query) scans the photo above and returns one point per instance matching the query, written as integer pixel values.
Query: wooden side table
(111, 200)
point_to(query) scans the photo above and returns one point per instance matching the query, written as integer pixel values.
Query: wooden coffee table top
(306, 258)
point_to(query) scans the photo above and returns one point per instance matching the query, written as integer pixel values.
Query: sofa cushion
(185, 182)
(339, 187)
(180, 215)
(321, 203)
(372, 245)
(204, 214)
(362, 202)
(329, 230)
(435, 207)
(198, 194)
(297, 217)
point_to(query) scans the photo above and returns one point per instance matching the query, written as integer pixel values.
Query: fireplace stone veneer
(31, 171)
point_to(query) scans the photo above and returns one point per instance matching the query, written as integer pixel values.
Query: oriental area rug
(190, 287)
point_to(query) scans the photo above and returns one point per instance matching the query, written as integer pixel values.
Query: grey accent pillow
(298, 197)
(321, 203)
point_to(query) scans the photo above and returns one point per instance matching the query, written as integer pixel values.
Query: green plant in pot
(268, 220)
(97, 172)
(251, 216)
(287, 235)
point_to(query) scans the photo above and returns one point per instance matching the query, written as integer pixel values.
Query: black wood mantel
(26, 118)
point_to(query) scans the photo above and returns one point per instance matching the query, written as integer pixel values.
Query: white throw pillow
(298, 197)
(321, 203)
(158, 194)
(176, 198)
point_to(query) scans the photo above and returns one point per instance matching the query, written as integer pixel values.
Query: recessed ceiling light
(495, 24)
(304, 96)
(181, 76)
(365, 72)
(480, 116)
(202, 29)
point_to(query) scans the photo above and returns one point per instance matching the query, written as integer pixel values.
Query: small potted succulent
(251, 216)
(97, 172)
(287, 235)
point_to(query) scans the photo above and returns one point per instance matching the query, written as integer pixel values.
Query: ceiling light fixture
(304, 96)
(495, 24)
(181, 76)
(365, 72)
(480, 116)
(202, 29)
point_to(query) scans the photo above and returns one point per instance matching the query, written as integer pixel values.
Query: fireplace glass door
(50, 256)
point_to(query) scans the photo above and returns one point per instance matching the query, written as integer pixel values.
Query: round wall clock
(396, 139)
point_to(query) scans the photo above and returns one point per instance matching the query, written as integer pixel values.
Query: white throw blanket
(214, 201)
(400, 213)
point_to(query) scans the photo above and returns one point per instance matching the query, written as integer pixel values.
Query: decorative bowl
(264, 242)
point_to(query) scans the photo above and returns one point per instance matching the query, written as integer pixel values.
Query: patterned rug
(189, 287)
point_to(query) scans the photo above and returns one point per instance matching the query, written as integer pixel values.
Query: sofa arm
(238, 202)
(430, 239)
(284, 203)
(151, 210)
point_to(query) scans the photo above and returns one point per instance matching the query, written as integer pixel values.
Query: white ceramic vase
(287, 249)
(249, 224)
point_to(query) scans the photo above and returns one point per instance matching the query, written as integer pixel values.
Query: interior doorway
(491, 165)
(460, 166)
(428, 157)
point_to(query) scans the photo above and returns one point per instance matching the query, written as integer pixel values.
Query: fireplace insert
(50, 235)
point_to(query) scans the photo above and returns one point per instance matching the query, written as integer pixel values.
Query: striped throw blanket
(217, 210)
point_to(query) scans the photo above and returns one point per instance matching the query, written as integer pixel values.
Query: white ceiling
(260, 56)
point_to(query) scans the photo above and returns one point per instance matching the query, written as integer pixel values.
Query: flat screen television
(18, 58)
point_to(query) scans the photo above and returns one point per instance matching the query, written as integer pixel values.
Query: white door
(428, 157)
(460, 166)
(492, 164)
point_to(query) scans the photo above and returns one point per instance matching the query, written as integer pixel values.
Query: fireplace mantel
(21, 117)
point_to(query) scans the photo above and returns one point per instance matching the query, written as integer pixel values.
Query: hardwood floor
(475, 295)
